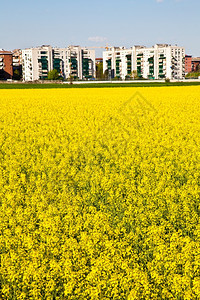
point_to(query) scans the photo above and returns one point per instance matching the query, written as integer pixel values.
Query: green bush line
(92, 85)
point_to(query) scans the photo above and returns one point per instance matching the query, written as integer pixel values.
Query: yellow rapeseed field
(100, 194)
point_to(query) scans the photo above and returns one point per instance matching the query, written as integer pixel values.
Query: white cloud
(97, 39)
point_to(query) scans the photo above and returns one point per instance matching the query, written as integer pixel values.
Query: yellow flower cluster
(100, 193)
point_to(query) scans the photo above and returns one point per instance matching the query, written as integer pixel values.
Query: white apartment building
(88, 63)
(79, 62)
(71, 61)
(158, 62)
(58, 60)
(36, 63)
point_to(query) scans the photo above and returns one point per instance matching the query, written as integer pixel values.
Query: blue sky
(29, 23)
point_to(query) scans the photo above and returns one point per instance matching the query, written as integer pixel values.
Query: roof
(3, 52)
(196, 59)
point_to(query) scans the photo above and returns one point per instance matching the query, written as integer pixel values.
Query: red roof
(5, 52)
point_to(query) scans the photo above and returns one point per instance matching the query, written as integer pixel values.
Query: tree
(71, 78)
(135, 74)
(192, 75)
(16, 75)
(99, 71)
(167, 80)
(106, 74)
(53, 75)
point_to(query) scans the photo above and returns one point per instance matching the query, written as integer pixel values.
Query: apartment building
(36, 63)
(80, 63)
(158, 62)
(59, 60)
(6, 65)
(118, 62)
(71, 61)
(196, 64)
(88, 63)
(188, 64)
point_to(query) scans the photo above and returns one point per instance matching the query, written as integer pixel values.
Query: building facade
(17, 63)
(58, 60)
(36, 63)
(195, 64)
(188, 64)
(158, 62)
(6, 65)
(73, 61)
(88, 63)
(80, 63)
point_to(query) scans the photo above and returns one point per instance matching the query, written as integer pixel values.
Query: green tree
(16, 75)
(134, 74)
(53, 75)
(99, 71)
(71, 79)
(106, 75)
(193, 75)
